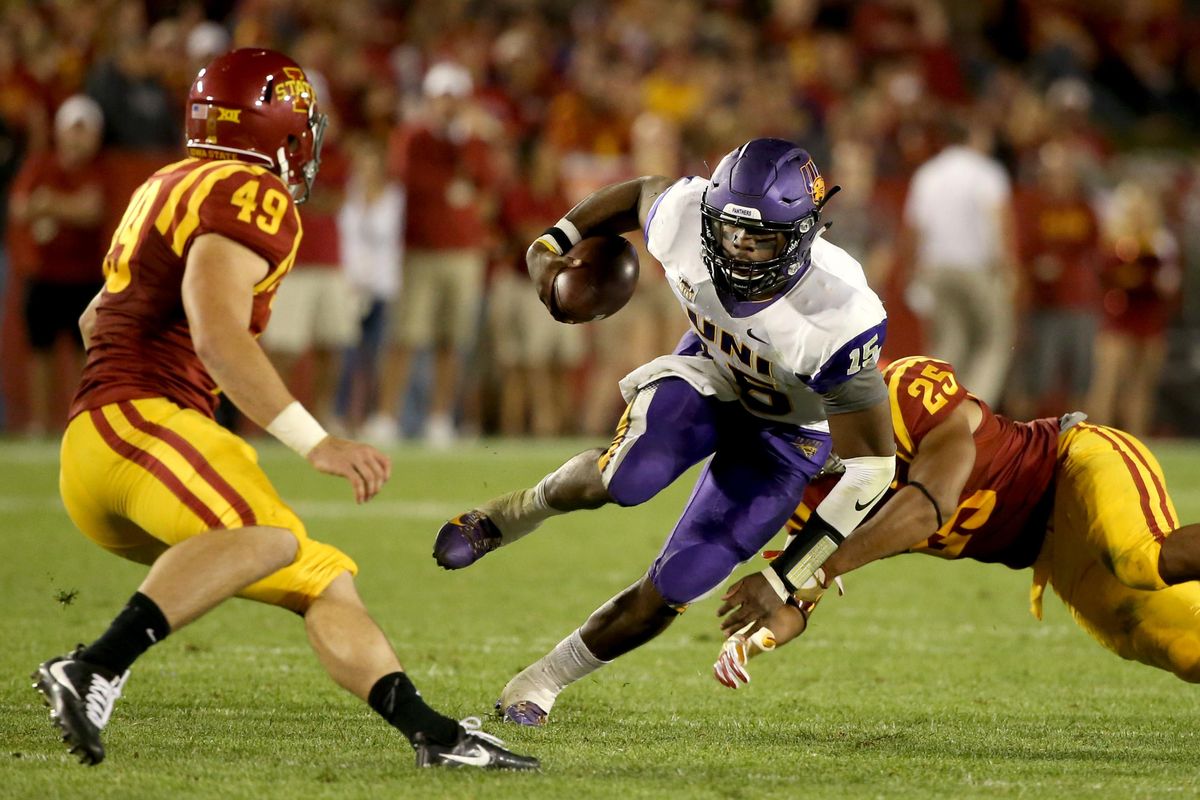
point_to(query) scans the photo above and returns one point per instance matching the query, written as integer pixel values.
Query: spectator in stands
(21, 97)
(443, 164)
(875, 72)
(534, 354)
(59, 197)
(1060, 254)
(371, 232)
(1141, 281)
(864, 228)
(316, 311)
(650, 323)
(138, 109)
(960, 218)
(204, 42)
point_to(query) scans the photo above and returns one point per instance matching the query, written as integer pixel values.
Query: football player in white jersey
(780, 364)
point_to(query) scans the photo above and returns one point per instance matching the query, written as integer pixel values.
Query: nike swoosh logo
(57, 672)
(869, 503)
(481, 758)
(750, 333)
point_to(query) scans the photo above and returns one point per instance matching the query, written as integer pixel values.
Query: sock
(519, 513)
(541, 681)
(396, 700)
(139, 625)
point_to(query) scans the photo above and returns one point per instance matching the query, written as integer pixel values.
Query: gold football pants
(1111, 516)
(139, 476)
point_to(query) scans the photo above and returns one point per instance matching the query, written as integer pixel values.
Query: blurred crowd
(1017, 179)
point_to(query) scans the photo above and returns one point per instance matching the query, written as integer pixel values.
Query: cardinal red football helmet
(257, 105)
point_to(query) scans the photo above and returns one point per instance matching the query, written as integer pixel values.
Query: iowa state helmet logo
(297, 89)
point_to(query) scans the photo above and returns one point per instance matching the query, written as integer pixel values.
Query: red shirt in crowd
(1060, 249)
(320, 246)
(447, 183)
(523, 217)
(61, 252)
(1141, 285)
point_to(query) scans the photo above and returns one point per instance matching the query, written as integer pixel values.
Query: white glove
(730, 667)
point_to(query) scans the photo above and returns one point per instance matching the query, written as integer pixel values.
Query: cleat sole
(75, 748)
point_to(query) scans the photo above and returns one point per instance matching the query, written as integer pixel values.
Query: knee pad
(691, 573)
(1184, 657)
(1137, 567)
(634, 484)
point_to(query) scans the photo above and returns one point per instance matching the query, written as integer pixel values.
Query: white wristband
(776, 583)
(566, 226)
(297, 428)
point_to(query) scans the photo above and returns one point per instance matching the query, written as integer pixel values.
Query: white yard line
(310, 509)
(17, 452)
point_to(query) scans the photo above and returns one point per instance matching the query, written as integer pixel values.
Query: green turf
(927, 680)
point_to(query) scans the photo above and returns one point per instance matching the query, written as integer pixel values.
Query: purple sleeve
(690, 345)
(855, 354)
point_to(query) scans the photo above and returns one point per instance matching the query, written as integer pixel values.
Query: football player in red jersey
(1066, 497)
(149, 475)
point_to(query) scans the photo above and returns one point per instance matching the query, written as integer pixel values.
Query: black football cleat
(465, 539)
(474, 748)
(81, 697)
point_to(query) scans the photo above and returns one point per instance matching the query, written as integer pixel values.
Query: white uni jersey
(778, 356)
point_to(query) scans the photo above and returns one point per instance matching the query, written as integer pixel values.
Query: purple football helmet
(765, 186)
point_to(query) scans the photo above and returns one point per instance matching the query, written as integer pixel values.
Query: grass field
(927, 680)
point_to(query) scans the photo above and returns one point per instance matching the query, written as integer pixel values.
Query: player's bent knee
(1137, 568)
(687, 575)
(341, 590)
(1184, 658)
(632, 484)
(279, 546)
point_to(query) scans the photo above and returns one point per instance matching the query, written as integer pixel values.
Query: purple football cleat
(465, 539)
(524, 712)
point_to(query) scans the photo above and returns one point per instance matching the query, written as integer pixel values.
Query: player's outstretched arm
(860, 426)
(936, 477)
(614, 209)
(218, 297)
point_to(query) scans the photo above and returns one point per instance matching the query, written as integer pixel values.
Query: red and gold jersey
(141, 345)
(1005, 505)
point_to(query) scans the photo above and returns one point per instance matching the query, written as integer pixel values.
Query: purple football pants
(745, 493)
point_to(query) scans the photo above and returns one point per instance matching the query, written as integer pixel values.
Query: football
(600, 285)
